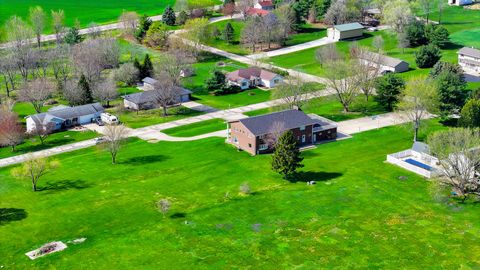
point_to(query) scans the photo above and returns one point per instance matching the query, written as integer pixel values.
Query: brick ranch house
(254, 134)
(253, 77)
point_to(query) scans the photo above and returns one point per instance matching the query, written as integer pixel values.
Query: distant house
(62, 117)
(187, 72)
(345, 31)
(469, 60)
(252, 77)
(149, 83)
(264, 5)
(254, 134)
(147, 100)
(385, 63)
(256, 12)
(460, 2)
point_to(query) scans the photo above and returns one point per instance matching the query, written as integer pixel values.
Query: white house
(264, 5)
(469, 60)
(460, 2)
(62, 117)
(385, 63)
(345, 31)
(252, 77)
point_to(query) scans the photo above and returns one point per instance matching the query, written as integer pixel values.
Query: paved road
(295, 48)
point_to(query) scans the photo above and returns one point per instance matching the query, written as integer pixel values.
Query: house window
(303, 138)
(263, 147)
(244, 84)
(275, 81)
(302, 128)
(235, 140)
(250, 145)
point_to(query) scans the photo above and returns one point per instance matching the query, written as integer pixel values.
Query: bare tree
(340, 77)
(36, 92)
(94, 30)
(11, 131)
(378, 43)
(163, 206)
(336, 13)
(166, 91)
(172, 65)
(420, 99)
(252, 32)
(127, 73)
(327, 53)
(105, 91)
(91, 57)
(229, 9)
(35, 168)
(72, 92)
(403, 41)
(398, 14)
(274, 132)
(285, 20)
(270, 26)
(426, 6)
(129, 21)
(459, 155)
(115, 135)
(8, 70)
(243, 6)
(19, 35)
(198, 31)
(58, 18)
(368, 68)
(42, 130)
(441, 7)
(37, 19)
(61, 64)
(293, 93)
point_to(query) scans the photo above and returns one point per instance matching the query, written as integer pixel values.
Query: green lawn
(153, 117)
(195, 129)
(85, 11)
(306, 33)
(330, 108)
(55, 139)
(359, 215)
(240, 99)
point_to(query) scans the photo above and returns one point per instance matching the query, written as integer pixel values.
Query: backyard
(211, 225)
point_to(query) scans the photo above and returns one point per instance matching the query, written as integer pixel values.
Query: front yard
(195, 129)
(399, 218)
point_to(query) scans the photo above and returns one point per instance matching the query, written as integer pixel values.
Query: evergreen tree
(427, 56)
(437, 35)
(451, 86)
(139, 67)
(85, 88)
(470, 115)
(389, 88)
(228, 2)
(286, 158)
(216, 82)
(182, 18)
(228, 33)
(147, 68)
(143, 26)
(169, 16)
(72, 36)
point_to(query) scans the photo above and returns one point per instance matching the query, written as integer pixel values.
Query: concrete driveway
(295, 48)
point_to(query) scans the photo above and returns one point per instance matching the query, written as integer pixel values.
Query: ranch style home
(255, 134)
(62, 117)
(469, 60)
(147, 100)
(460, 2)
(264, 5)
(345, 31)
(385, 63)
(253, 77)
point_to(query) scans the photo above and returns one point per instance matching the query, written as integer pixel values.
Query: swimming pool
(418, 164)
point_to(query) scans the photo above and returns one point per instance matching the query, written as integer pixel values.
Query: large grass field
(359, 215)
(195, 129)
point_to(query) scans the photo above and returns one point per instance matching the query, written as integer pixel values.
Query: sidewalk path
(295, 48)
(198, 107)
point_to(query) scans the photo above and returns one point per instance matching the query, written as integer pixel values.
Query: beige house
(252, 77)
(345, 31)
(469, 60)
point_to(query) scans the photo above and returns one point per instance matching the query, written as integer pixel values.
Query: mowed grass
(145, 118)
(329, 107)
(359, 214)
(195, 129)
(85, 11)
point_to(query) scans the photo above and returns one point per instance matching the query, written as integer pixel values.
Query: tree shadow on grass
(11, 214)
(313, 176)
(178, 215)
(64, 185)
(142, 160)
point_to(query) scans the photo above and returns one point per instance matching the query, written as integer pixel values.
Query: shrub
(427, 56)
(127, 74)
(415, 33)
(470, 114)
(389, 88)
(245, 189)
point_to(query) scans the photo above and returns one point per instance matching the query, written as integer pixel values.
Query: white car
(100, 140)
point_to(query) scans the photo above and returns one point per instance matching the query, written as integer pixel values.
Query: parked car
(99, 122)
(372, 29)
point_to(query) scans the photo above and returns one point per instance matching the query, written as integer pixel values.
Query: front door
(314, 138)
(303, 138)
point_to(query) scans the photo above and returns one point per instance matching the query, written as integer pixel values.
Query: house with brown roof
(257, 135)
(256, 12)
(469, 60)
(253, 77)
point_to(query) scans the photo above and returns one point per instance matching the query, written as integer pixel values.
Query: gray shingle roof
(289, 119)
(149, 80)
(348, 27)
(381, 59)
(470, 52)
(61, 114)
(149, 96)
(249, 73)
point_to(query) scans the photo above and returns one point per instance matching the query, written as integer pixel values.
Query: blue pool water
(418, 164)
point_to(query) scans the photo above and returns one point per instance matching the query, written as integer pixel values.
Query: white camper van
(109, 119)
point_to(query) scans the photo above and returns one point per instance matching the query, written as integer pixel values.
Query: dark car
(99, 122)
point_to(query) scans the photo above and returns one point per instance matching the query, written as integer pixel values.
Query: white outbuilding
(345, 31)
